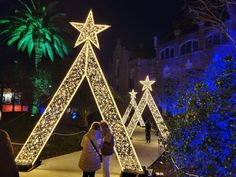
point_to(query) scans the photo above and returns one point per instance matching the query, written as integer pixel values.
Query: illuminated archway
(147, 100)
(132, 105)
(87, 66)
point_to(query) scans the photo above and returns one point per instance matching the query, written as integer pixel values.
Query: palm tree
(34, 28)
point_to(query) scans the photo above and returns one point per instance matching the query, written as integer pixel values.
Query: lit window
(7, 96)
(195, 46)
(168, 52)
(162, 55)
(18, 96)
(215, 39)
(189, 46)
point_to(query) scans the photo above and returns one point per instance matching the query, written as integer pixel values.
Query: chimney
(155, 40)
(155, 43)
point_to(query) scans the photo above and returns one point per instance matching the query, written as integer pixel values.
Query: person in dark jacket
(107, 148)
(7, 159)
(148, 128)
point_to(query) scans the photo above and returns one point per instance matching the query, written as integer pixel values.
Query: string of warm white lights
(85, 65)
(132, 105)
(147, 99)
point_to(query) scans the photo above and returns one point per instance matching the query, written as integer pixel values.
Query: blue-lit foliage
(217, 66)
(203, 133)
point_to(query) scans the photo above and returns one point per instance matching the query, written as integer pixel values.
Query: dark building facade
(175, 64)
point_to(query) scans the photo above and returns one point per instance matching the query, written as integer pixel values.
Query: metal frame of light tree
(85, 65)
(132, 104)
(147, 100)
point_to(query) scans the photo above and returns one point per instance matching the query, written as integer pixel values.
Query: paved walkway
(67, 165)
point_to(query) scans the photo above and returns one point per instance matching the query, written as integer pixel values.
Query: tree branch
(212, 13)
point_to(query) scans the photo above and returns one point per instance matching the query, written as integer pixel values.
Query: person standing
(148, 131)
(8, 166)
(107, 148)
(90, 159)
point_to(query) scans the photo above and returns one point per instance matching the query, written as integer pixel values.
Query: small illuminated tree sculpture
(132, 104)
(85, 65)
(147, 99)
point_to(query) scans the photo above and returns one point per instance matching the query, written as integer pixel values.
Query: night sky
(135, 22)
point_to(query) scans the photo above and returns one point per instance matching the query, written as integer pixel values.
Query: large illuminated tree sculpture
(132, 104)
(147, 99)
(85, 65)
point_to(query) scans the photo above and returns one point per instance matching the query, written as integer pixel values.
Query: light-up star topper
(133, 94)
(87, 66)
(132, 104)
(147, 84)
(88, 30)
(147, 99)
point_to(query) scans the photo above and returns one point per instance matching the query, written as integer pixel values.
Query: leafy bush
(202, 139)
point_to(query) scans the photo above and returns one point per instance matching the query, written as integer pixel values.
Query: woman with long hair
(107, 148)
